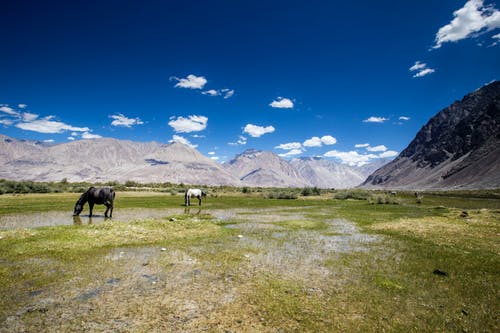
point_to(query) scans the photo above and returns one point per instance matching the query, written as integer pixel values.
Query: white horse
(193, 192)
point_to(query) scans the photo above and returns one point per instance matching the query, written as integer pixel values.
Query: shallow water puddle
(54, 218)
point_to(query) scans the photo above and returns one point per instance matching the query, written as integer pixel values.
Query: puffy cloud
(352, 158)
(47, 125)
(191, 124)
(312, 142)
(316, 141)
(89, 136)
(376, 148)
(373, 119)
(190, 82)
(388, 154)
(472, 20)
(27, 116)
(289, 146)
(282, 103)
(211, 92)
(292, 152)
(421, 69)
(183, 140)
(404, 118)
(7, 109)
(328, 140)
(121, 120)
(257, 131)
(22, 106)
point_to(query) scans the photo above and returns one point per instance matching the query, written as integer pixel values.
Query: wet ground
(54, 218)
(155, 288)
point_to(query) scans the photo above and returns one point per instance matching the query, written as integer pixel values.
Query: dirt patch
(189, 287)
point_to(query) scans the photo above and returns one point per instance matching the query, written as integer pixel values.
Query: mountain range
(459, 148)
(106, 159)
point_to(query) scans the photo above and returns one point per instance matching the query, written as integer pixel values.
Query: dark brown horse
(101, 196)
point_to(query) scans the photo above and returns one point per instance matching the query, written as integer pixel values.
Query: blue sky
(352, 81)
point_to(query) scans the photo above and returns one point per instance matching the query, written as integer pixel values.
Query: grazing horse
(193, 192)
(101, 196)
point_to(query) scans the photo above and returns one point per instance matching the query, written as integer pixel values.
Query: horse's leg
(107, 209)
(91, 206)
(199, 200)
(112, 206)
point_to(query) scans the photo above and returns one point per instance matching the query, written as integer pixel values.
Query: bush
(382, 199)
(352, 194)
(308, 191)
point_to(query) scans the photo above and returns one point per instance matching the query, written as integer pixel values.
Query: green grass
(192, 272)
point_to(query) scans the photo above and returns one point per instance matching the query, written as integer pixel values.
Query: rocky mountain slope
(459, 148)
(109, 160)
(103, 160)
(264, 168)
(327, 174)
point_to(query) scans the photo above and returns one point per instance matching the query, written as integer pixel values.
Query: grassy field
(246, 263)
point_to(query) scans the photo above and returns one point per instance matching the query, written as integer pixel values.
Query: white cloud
(328, 140)
(71, 138)
(228, 93)
(46, 125)
(121, 120)
(27, 116)
(373, 119)
(421, 69)
(292, 152)
(22, 106)
(472, 20)
(7, 109)
(418, 66)
(257, 131)
(191, 124)
(404, 118)
(211, 153)
(211, 92)
(351, 157)
(289, 146)
(388, 154)
(282, 103)
(190, 82)
(215, 158)
(6, 122)
(312, 142)
(89, 136)
(183, 140)
(424, 72)
(362, 145)
(241, 141)
(376, 148)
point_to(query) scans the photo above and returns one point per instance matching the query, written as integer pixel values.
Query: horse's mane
(84, 197)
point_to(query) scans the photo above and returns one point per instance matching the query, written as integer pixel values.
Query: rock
(440, 272)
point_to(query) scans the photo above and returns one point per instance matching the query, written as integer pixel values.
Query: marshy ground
(249, 264)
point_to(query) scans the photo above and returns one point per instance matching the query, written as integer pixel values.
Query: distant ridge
(107, 159)
(459, 148)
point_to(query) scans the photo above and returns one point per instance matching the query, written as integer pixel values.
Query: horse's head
(203, 193)
(78, 208)
(79, 204)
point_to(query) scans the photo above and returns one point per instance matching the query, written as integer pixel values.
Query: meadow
(255, 260)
